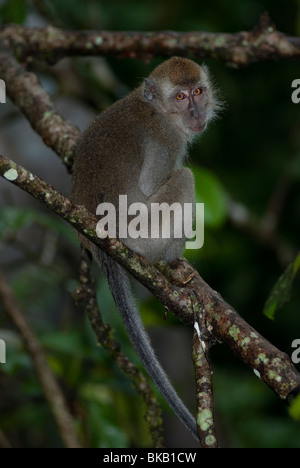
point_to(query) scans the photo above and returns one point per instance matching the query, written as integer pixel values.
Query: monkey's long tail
(121, 290)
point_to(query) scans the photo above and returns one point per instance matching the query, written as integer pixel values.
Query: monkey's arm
(180, 187)
(157, 164)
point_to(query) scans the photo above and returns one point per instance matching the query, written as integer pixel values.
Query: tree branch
(85, 294)
(204, 387)
(178, 286)
(25, 90)
(261, 43)
(224, 324)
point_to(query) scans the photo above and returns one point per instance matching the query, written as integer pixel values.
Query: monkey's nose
(195, 114)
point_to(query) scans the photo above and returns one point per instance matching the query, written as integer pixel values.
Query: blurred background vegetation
(246, 165)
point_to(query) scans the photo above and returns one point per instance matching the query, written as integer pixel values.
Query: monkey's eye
(180, 96)
(197, 92)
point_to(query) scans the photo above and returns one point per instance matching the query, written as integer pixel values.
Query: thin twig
(85, 294)
(204, 388)
(25, 90)
(50, 387)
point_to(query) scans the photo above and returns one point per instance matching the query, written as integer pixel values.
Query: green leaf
(67, 342)
(12, 219)
(281, 292)
(13, 11)
(294, 409)
(210, 191)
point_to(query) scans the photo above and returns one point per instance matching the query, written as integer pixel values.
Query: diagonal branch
(85, 223)
(225, 324)
(85, 294)
(204, 387)
(26, 92)
(178, 286)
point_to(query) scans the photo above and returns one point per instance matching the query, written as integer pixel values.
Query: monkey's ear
(149, 90)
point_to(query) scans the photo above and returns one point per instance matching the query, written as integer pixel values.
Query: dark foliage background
(251, 153)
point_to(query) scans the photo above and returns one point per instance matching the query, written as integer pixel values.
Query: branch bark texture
(26, 92)
(226, 325)
(261, 43)
(178, 286)
(85, 295)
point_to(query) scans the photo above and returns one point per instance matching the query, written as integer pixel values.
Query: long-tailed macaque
(137, 148)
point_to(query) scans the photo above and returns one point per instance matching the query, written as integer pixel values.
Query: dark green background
(243, 157)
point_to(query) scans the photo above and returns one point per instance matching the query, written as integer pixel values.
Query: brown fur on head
(180, 71)
(181, 89)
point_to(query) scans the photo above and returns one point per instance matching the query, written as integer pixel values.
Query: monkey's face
(189, 109)
(182, 91)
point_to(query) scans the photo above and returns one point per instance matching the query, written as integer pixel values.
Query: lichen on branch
(263, 42)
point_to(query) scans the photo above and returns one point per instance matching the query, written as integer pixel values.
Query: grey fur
(137, 147)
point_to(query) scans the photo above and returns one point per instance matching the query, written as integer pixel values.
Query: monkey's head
(182, 90)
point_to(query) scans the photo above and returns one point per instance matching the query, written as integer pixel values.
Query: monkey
(137, 147)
